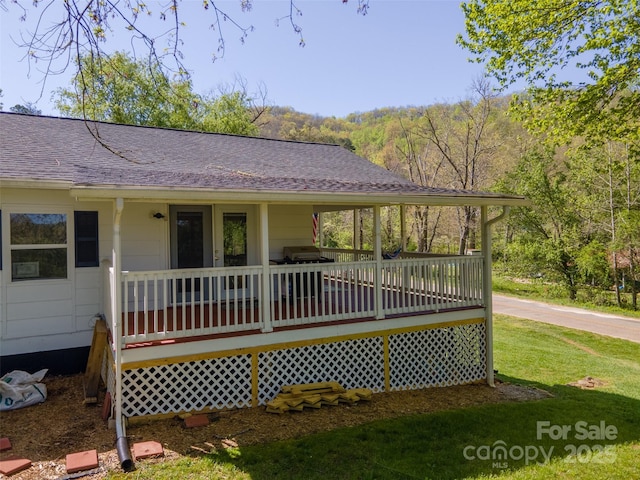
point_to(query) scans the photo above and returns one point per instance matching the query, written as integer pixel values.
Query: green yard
(586, 434)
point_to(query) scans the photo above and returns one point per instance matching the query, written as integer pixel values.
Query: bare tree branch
(66, 31)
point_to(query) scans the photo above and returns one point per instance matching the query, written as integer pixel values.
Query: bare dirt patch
(588, 383)
(46, 433)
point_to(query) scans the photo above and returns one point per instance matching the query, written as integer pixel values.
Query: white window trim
(7, 211)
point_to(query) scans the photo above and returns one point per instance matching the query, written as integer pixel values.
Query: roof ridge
(171, 129)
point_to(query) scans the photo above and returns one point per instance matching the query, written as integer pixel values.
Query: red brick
(228, 443)
(106, 406)
(12, 465)
(77, 462)
(196, 421)
(147, 449)
(5, 444)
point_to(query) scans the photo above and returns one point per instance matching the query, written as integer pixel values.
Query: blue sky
(401, 53)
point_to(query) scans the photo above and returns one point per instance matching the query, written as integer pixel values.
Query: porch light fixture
(158, 215)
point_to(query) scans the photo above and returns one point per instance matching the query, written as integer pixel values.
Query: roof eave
(35, 183)
(173, 194)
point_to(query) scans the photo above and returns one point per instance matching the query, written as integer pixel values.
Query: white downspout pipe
(122, 447)
(487, 284)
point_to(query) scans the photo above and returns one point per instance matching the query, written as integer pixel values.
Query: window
(86, 237)
(38, 243)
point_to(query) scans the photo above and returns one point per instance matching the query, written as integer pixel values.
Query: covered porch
(411, 321)
(161, 306)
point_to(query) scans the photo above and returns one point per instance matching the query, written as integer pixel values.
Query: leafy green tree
(119, 89)
(606, 188)
(549, 233)
(537, 41)
(28, 108)
(228, 113)
(593, 264)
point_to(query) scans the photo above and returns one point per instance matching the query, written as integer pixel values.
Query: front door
(191, 245)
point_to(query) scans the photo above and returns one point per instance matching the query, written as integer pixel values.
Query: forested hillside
(583, 228)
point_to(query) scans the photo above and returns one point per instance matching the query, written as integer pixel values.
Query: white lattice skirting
(431, 357)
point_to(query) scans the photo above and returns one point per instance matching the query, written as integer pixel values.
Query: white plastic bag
(20, 389)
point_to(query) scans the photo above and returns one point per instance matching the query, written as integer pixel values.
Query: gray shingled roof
(58, 149)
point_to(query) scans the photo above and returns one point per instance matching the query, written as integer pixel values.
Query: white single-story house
(195, 250)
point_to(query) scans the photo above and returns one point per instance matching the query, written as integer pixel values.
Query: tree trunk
(634, 281)
(616, 279)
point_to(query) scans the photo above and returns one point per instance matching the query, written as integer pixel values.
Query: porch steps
(315, 395)
(94, 363)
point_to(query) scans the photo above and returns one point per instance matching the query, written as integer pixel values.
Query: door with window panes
(191, 247)
(197, 243)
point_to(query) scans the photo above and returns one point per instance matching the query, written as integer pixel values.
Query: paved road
(601, 323)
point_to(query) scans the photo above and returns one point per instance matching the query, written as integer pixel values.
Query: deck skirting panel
(382, 361)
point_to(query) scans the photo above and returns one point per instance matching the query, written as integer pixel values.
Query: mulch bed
(61, 425)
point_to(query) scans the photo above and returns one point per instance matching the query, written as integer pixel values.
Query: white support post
(377, 255)
(403, 227)
(321, 229)
(266, 271)
(356, 230)
(406, 275)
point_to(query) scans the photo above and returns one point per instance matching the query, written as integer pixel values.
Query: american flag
(315, 227)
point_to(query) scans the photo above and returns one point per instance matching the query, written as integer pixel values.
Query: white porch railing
(432, 284)
(191, 302)
(172, 304)
(315, 293)
(347, 255)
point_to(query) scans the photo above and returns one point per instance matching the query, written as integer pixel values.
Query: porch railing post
(266, 271)
(106, 288)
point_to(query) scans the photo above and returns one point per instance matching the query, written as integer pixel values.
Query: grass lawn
(584, 434)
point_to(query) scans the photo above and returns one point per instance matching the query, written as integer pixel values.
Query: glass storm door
(234, 233)
(234, 251)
